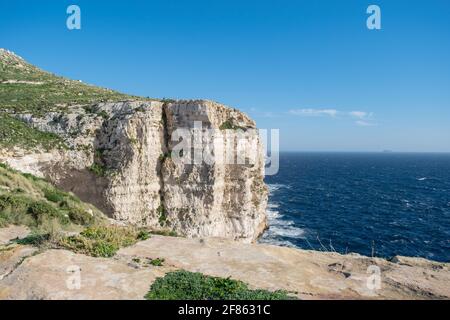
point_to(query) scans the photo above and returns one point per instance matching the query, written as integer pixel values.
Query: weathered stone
(13, 232)
(12, 256)
(53, 275)
(130, 143)
(307, 274)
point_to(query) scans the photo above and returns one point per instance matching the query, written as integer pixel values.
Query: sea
(374, 204)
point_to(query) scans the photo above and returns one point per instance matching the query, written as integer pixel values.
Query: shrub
(227, 125)
(158, 262)
(104, 249)
(54, 195)
(101, 241)
(31, 177)
(42, 210)
(4, 166)
(14, 203)
(80, 216)
(34, 239)
(162, 215)
(143, 235)
(184, 285)
(98, 170)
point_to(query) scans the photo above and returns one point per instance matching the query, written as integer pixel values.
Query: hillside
(25, 88)
(33, 202)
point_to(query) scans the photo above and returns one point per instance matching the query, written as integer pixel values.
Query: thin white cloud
(314, 112)
(362, 118)
(363, 123)
(358, 114)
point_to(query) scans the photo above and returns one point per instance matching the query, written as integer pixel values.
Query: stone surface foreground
(26, 273)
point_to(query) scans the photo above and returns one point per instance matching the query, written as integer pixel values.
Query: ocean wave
(277, 242)
(275, 187)
(287, 231)
(280, 228)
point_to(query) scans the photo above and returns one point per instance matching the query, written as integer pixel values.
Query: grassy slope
(48, 211)
(31, 201)
(14, 132)
(25, 88)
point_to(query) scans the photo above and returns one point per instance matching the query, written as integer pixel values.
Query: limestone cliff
(114, 151)
(118, 158)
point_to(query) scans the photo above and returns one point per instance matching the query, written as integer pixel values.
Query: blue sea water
(381, 204)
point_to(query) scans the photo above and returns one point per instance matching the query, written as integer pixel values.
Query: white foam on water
(280, 227)
(275, 187)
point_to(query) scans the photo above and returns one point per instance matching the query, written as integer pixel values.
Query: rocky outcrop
(119, 158)
(306, 274)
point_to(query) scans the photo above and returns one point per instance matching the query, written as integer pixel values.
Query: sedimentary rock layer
(119, 158)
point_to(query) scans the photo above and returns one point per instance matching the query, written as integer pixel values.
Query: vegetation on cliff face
(184, 285)
(14, 132)
(25, 88)
(229, 125)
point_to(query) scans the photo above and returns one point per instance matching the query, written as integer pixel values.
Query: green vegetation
(26, 88)
(164, 156)
(229, 125)
(54, 195)
(14, 132)
(162, 215)
(158, 262)
(184, 285)
(98, 169)
(103, 241)
(49, 212)
(33, 202)
(104, 114)
(167, 100)
(143, 235)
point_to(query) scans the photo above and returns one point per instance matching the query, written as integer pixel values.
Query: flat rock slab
(13, 232)
(61, 274)
(310, 274)
(12, 256)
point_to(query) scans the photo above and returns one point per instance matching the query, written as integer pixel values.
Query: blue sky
(310, 68)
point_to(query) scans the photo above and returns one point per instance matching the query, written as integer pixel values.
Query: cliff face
(119, 158)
